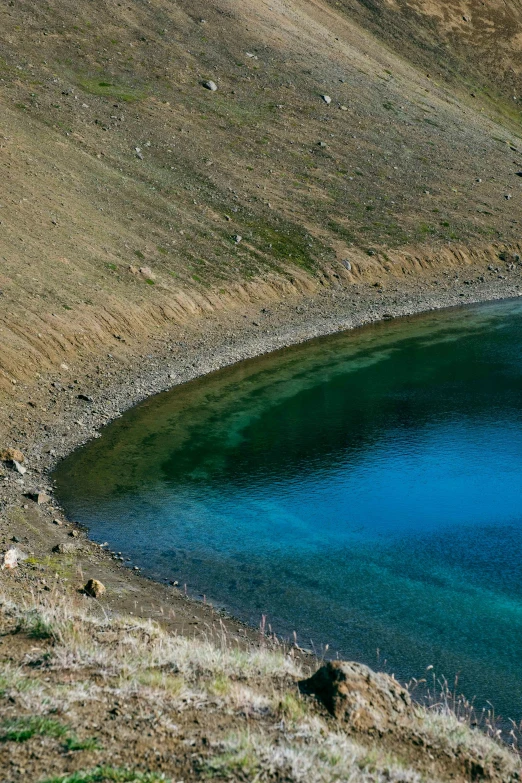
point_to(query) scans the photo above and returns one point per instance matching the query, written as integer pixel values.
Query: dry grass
(262, 728)
(134, 645)
(315, 754)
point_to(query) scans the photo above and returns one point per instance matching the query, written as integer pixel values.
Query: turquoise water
(363, 490)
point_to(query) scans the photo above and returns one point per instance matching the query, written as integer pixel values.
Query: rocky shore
(109, 676)
(48, 419)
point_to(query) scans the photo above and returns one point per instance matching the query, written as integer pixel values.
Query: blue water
(363, 490)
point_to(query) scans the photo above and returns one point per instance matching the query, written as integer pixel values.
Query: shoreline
(205, 347)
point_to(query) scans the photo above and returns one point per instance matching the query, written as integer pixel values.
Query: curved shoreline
(207, 346)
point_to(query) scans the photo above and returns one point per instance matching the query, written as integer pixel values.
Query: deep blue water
(363, 490)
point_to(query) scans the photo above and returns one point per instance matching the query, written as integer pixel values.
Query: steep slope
(472, 44)
(116, 158)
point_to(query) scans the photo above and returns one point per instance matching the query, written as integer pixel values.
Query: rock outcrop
(363, 699)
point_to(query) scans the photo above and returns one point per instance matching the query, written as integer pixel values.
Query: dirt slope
(474, 45)
(116, 159)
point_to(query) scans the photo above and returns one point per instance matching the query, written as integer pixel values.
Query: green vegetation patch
(106, 89)
(73, 743)
(287, 243)
(22, 729)
(108, 775)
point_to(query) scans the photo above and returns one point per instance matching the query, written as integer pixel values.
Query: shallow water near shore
(363, 490)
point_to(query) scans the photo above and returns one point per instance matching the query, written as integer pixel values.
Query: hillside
(358, 160)
(397, 164)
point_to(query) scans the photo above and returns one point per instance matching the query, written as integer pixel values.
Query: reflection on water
(363, 489)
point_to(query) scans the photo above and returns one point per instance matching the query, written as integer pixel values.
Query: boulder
(67, 548)
(39, 497)
(94, 588)
(12, 558)
(363, 699)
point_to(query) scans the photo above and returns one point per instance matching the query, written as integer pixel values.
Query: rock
(39, 497)
(356, 695)
(11, 455)
(85, 397)
(321, 144)
(58, 522)
(509, 258)
(74, 534)
(18, 467)
(147, 272)
(11, 559)
(326, 99)
(347, 265)
(237, 238)
(209, 85)
(94, 588)
(67, 548)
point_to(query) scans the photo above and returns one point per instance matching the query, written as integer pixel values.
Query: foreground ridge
(92, 697)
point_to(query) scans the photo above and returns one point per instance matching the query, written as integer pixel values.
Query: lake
(363, 490)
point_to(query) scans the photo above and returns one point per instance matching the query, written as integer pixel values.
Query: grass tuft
(72, 743)
(117, 92)
(109, 775)
(22, 729)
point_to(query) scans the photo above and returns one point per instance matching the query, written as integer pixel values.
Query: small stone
(209, 85)
(94, 588)
(11, 455)
(326, 99)
(147, 272)
(85, 397)
(19, 468)
(321, 144)
(237, 238)
(74, 534)
(343, 108)
(58, 522)
(347, 264)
